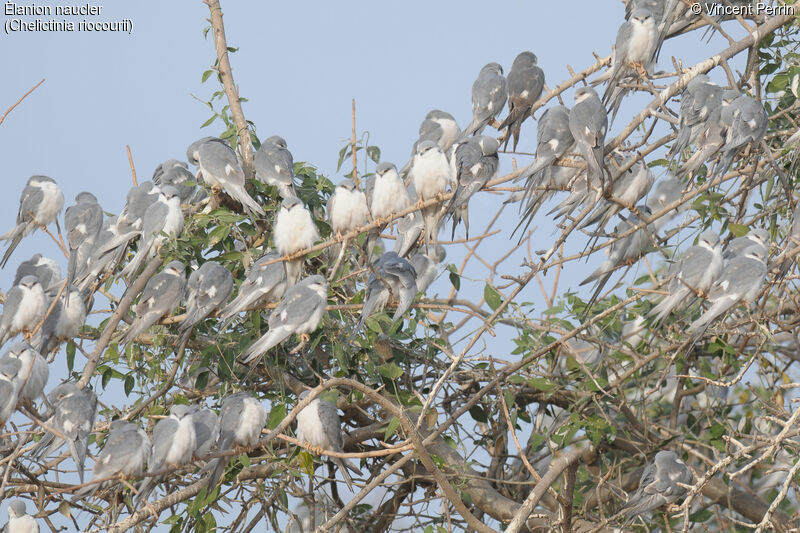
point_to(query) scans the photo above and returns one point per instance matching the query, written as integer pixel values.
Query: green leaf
(390, 371)
(70, 355)
(478, 414)
(244, 460)
(493, 298)
(129, 383)
(394, 423)
(206, 74)
(542, 384)
(107, 374)
(276, 414)
(455, 281)
(700, 516)
(374, 153)
(217, 234)
(738, 230)
(209, 121)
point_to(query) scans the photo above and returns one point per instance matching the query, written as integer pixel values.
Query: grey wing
(370, 190)
(295, 308)
(154, 219)
(32, 198)
(163, 434)
(220, 160)
(329, 416)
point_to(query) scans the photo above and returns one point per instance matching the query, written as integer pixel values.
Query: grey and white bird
(138, 199)
(426, 265)
(173, 444)
(23, 309)
(740, 281)
(347, 210)
(206, 431)
(634, 55)
(241, 420)
(74, 411)
(318, 424)
(588, 123)
(125, 452)
(161, 295)
(524, 83)
(39, 205)
(755, 237)
(712, 135)
(64, 322)
(177, 174)
(409, 229)
(474, 163)
(488, 98)
(19, 521)
(748, 127)
(294, 230)
(207, 289)
(275, 166)
(691, 276)
(9, 388)
(439, 127)
(47, 271)
(82, 222)
(392, 277)
(666, 192)
(626, 189)
(430, 172)
(299, 311)
(220, 169)
(163, 219)
(700, 97)
(33, 370)
(659, 485)
(386, 195)
(265, 282)
(107, 252)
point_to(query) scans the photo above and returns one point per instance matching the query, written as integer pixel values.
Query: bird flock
(446, 164)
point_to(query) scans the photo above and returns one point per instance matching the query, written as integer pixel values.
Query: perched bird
(241, 420)
(747, 127)
(392, 277)
(24, 307)
(207, 289)
(43, 268)
(488, 98)
(72, 419)
(439, 127)
(39, 205)
(206, 431)
(138, 199)
(318, 424)
(409, 229)
(64, 322)
(474, 162)
(275, 166)
(627, 189)
(300, 311)
(265, 282)
(740, 281)
(9, 388)
(126, 451)
(33, 370)
(430, 172)
(173, 444)
(634, 54)
(588, 122)
(712, 135)
(19, 521)
(524, 82)
(755, 237)
(425, 264)
(666, 192)
(107, 252)
(162, 219)
(83, 222)
(220, 169)
(161, 295)
(700, 97)
(294, 230)
(176, 173)
(659, 485)
(386, 195)
(691, 276)
(347, 210)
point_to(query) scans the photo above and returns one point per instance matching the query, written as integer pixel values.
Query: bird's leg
(316, 450)
(639, 69)
(304, 338)
(339, 236)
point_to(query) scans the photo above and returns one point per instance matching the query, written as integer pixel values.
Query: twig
(133, 169)
(10, 109)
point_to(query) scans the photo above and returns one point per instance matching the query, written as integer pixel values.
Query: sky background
(300, 64)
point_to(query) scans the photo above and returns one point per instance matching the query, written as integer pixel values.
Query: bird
(64, 321)
(206, 431)
(426, 266)
(691, 276)
(125, 453)
(439, 127)
(161, 295)
(220, 169)
(162, 219)
(265, 282)
(46, 270)
(588, 123)
(430, 172)
(9, 388)
(409, 229)
(524, 84)
(74, 411)
(241, 420)
(634, 54)
(39, 205)
(33, 370)
(138, 199)
(347, 210)
(626, 190)
(488, 98)
(318, 424)
(748, 127)
(19, 521)
(82, 222)
(666, 192)
(207, 289)
(391, 277)
(386, 195)
(23, 309)
(740, 281)
(700, 97)
(172, 445)
(299, 311)
(755, 237)
(107, 251)
(474, 163)
(659, 485)
(712, 135)
(177, 174)
(274, 166)
(294, 230)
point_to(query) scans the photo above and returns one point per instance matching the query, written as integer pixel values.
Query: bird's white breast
(294, 230)
(309, 426)
(183, 442)
(350, 210)
(431, 174)
(389, 196)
